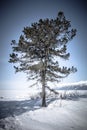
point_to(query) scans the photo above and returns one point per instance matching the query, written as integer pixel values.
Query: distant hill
(74, 86)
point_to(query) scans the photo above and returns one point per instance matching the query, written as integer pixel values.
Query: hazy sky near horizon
(16, 14)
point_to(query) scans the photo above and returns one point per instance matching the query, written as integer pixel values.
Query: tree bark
(43, 90)
(43, 96)
(43, 79)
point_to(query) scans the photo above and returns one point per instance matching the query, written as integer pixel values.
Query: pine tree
(37, 47)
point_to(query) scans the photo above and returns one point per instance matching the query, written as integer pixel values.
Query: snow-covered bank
(25, 113)
(67, 116)
(59, 115)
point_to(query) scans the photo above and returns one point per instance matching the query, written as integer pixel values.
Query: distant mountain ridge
(82, 85)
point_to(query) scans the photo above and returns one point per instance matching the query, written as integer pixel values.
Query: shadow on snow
(12, 108)
(15, 108)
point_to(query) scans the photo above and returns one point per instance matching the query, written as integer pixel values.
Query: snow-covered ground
(19, 110)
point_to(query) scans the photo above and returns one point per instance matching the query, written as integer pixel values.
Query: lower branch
(52, 90)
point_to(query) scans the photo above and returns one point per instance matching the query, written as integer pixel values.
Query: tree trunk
(43, 96)
(43, 90)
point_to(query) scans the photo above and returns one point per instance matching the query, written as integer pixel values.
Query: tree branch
(52, 90)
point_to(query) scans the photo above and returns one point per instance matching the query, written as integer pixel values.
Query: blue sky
(16, 14)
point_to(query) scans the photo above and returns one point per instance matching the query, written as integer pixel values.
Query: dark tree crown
(40, 43)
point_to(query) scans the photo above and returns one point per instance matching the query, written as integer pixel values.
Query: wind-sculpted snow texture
(27, 114)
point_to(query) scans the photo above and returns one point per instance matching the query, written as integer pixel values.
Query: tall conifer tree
(38, 46)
